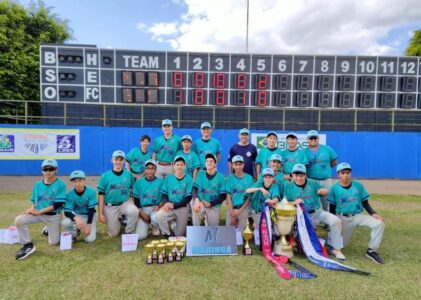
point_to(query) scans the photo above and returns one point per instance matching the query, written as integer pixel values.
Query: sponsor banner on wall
(16, 143)
(259, 139)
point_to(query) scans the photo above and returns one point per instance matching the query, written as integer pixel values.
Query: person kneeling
(80, 209)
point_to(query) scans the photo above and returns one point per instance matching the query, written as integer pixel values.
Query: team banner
(259, 139)
(312, 248)
(24, 143)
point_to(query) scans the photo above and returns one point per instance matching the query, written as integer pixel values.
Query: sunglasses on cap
(48, 169)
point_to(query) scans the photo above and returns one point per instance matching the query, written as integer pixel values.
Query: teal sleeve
(304, 157)
(332, 153)
(275, 193)
(61, 194)
(365, 196)
(129, 156)
(259, 158)
(219, 148)
(189, 187)
(68, 206)
(164, 188)
(228, 185)
(102, 184)
(92, 200)
(155, 146)
(331, 198)
(132, 180)
(136, 190)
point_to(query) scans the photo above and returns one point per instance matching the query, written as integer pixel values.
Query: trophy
(154, 253)
(161, 250)
(247, 235)
(179, 245)
(163, 241)
(170, 246)
(285, 216)
(149, 250)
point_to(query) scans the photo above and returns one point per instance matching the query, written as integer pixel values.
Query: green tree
(414, 48)
(22, 30)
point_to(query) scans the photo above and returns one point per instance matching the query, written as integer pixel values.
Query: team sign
(86, 74)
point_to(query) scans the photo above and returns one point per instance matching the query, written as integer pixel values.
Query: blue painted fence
(391, 155)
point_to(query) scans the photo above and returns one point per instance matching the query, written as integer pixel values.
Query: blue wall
(371, 154)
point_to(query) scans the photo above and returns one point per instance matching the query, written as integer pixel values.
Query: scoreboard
(87, 74)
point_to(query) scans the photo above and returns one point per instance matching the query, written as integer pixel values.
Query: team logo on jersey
(248, 153)
(7, 143)
(66, 143)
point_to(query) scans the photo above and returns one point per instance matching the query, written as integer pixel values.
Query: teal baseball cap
(291, 134)
(49, 163)
(276, 157)
(343, 166)
(244, 131)
(186, 137)
(268, 171)
(179, 157)
(299, 168)
(205, 125)
(150, 162)
(237, 158)
(210, 155)
(272, 133)
(78, 174)
(312, 133)
(166, 122)
(119, 153)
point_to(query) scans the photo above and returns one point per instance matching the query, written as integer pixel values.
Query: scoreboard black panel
(86, 74)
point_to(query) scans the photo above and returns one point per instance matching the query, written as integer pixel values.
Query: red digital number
(178, 96)
(261, 98)
(199, 80)
(218, 80)
(241, 81)
(199, 97)
(261, 82)
(177, 79)
(219, 97)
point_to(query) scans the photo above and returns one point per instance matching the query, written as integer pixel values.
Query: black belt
(237, 206)
(52, 213)
(311, 211)
(113, 204)
(348, 215)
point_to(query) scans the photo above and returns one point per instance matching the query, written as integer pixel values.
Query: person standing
(245, 149)
(136, 158)
(207, 144)
(190, 157)
(292, 155)
(164, 149)
(263, 158)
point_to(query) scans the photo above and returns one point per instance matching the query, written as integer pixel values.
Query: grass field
(100, 270)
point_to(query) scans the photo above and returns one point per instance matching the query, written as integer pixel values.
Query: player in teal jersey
(113, 197)
(263, 157)
(208, 193)
(80, 208)
(136, 158)
(47, 200)
(176, 196)
(292, 155)
(164, 149)
(206, 144)
(191, 158)
(321, 159)
(237, 199)
(347, 200)
(266, 191)
(308, 192)
(147, 196)
(275, 164)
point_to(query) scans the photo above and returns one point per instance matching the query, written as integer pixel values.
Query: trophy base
(247, 251)
(170, 259)
(178, 258)
(160, 260)
(149, 260)
(284, 250)
(154, 256)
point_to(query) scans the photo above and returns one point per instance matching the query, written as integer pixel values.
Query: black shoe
(123, 220)
(45, 231)
(374, 256)
(25, 251)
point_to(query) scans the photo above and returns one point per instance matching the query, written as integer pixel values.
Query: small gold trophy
(247, 235)
(179, 245)
(161, 250)
(154, 253)
(164, 241)
(149, 250)
(170, 246)
(285, 216)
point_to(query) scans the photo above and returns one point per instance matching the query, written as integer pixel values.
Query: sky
(337, 27)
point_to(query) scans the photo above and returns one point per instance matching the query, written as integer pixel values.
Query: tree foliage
(22, 30)
(414, 48)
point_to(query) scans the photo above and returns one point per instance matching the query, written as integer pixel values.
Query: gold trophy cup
(179, 245)
(285, 216)
(161, 250)
(247, 235)
(154, 253)
(149, 250)
(170, 246)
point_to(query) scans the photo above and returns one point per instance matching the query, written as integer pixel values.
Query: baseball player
(262, 160)
(275, 164)
(266, 191)
(135, 159)
(79, 209)
(207, 144)
(321, 159)
(237, 199)
(176, 196)
(292, 155)
(347, 198)
(208, 193)
(190, 157)
(47, 200)
(113, 197)
(308, 191)
(245, 149)
(147, 196)
(164, 149)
